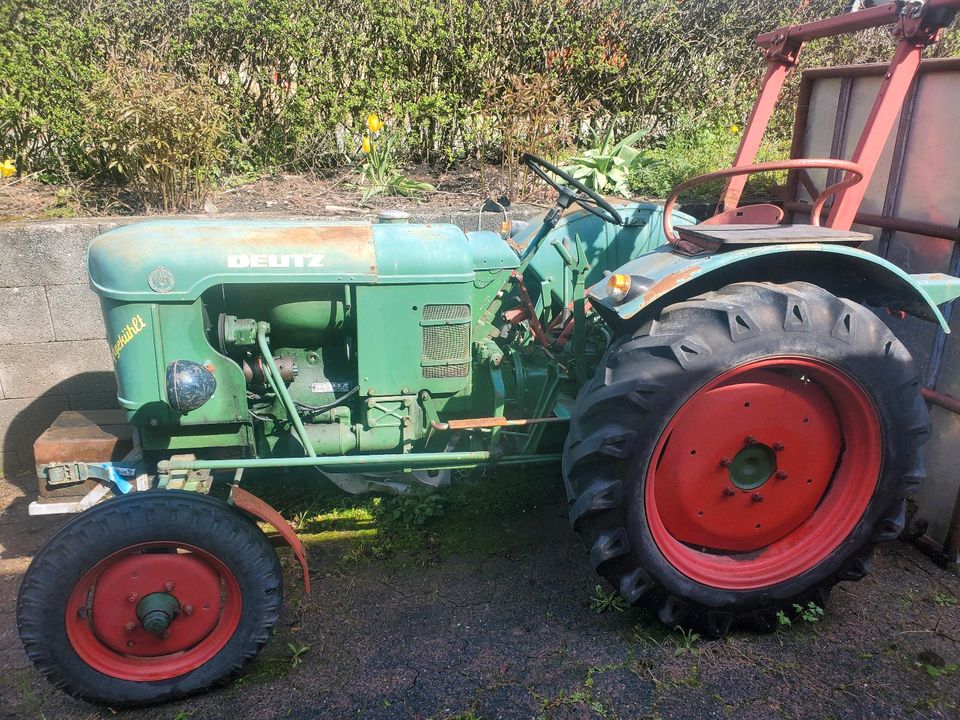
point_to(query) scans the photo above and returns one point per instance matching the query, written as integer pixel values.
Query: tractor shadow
(21, 534)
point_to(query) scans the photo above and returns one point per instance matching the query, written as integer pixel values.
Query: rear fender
(261, 510)
(663, 276)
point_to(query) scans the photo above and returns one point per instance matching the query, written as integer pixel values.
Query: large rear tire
(744, 452)
(148, 598)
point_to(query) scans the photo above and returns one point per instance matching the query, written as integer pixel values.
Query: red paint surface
(101, 614)
(801, 523)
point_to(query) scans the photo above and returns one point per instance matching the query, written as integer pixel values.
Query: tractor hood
(178, 259)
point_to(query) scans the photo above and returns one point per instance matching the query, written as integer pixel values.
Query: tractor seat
(711, 238)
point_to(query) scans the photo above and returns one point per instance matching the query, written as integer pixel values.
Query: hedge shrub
(293, 79)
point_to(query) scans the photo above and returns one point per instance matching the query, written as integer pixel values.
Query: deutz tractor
(737, 427)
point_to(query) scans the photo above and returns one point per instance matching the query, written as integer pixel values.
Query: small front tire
(148, 598)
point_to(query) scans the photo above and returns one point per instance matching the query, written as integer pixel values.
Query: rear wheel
(149, 597)
(744, 452)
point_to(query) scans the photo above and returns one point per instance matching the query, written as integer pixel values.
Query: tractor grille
(446, 312)
(446, 346)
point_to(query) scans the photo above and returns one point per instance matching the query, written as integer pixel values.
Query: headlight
(189, 385)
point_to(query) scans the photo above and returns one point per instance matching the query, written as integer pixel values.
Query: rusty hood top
(177, 260)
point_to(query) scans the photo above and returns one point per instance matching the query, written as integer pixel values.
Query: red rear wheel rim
(101, 615)
(715, 512)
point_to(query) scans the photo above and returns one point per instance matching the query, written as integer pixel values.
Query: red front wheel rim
(108, 615)
(763, 473)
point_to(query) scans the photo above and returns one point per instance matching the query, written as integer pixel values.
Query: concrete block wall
(53, 350)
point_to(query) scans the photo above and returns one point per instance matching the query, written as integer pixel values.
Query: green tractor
(736, 428)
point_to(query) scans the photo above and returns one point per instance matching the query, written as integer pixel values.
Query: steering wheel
(586, 198)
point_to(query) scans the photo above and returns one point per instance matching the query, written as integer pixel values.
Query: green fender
(663, 276)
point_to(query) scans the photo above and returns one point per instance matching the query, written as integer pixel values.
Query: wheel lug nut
(777, 447)
(729, 492)
(165, 634)
(781, 475)
(132, 597)
(749, 440)
(188, 609)
(168, 586)
(130, 643)
(725, 462)
(757, 497)
(130, 626)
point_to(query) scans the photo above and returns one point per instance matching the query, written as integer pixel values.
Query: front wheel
(743, 453)
(149, 597)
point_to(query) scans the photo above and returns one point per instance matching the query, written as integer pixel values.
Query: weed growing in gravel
(687, 643)
(945, 600)
(31, 699)
(935, 672)
(296, 653)
(811, 613)
(604, 601)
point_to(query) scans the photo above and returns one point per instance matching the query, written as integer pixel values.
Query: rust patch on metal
(669, 282)
(310, 236)
(257, 507)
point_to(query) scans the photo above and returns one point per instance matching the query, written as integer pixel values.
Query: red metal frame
(917, 25)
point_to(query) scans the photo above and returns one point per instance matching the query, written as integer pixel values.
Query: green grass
(478, 514)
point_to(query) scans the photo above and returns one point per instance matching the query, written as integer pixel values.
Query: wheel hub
(752, 466)
(156, 611)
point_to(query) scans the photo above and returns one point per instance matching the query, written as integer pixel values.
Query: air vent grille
(446, 341)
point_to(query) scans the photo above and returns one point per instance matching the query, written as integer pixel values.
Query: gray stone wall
(53, 351)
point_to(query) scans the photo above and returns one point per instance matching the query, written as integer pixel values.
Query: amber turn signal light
(618, 287)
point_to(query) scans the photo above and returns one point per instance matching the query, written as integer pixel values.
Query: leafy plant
(687, 643)
(159, 132)
(809, 613)
(605, 601)
(296, 653)
(607, 167)
(945, 599)
(379, 170)
(409, 510)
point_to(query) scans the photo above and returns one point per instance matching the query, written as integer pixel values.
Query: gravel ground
(507, 631)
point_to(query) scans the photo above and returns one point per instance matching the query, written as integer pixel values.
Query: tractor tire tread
(640, 365)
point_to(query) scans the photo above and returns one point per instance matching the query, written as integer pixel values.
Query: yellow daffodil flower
(374, 123)
(366, 145)
(8, 168)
